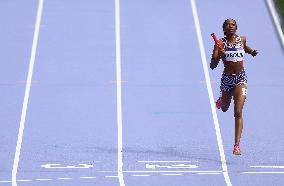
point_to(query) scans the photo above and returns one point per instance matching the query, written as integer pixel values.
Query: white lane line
(276, 20)
(140, 175)
(262, 172)
(59, 166)
(171, 174)
(27, 94)
(43, 179)
(164, 173)
(64, 178)
(177, 166)
(268, 166)
(172, 171)
(24, 180)
(119, 94)
(113, 81)
(166, 161)
(210, 94)
(5, 181)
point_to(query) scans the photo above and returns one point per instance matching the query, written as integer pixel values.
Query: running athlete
(234, 79)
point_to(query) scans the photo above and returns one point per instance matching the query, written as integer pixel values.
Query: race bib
(234, 56)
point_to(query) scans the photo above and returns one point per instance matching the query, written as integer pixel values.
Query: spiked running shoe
(237, 150)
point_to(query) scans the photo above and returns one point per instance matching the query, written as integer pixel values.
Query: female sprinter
(234, 79)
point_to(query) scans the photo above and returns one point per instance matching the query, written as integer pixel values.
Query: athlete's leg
(226, 88)
(226, 100)
(239, 95)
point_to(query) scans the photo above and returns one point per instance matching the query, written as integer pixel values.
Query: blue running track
(71, 131)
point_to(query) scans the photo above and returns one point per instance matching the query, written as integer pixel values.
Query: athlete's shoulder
(243, 38)
(223, 39)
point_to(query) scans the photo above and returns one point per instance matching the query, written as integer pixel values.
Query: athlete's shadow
(163, 153)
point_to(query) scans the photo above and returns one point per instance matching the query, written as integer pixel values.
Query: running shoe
(218, 103)
(237, 149)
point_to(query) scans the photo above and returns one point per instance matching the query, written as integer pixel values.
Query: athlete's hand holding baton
(218, 52)
(221, 48)
(216, 41)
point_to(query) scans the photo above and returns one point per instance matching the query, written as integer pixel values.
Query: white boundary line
(262, 172)
(210, 94)
(171, 174)
(268, 166)
(276, 20)
(171, 171)
(166, 161)
(166, 173)
(140, 175)
(27, 94)
(119, 94)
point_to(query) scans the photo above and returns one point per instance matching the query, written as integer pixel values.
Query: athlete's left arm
(247, 48)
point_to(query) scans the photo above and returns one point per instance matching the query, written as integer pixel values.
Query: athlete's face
(230, 27)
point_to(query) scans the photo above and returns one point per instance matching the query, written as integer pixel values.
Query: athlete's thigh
(239, 96)
(226, 99)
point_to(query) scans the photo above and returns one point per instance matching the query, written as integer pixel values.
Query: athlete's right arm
(216, 56)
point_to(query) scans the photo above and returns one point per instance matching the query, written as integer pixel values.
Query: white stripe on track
(166, 161)
(172, 171)
(171, 174)
(140, 175)
(268, 166)
(262, 172)
(119, 94)
(27, 94)
(210, 93)
(276, 20)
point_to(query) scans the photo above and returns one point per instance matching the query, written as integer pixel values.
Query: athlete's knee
(238, 114)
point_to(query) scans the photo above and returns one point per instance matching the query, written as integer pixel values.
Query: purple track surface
(71, 130)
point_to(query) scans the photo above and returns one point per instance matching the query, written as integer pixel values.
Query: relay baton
(216, 41)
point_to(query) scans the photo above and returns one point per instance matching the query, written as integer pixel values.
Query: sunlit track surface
(168, 135)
